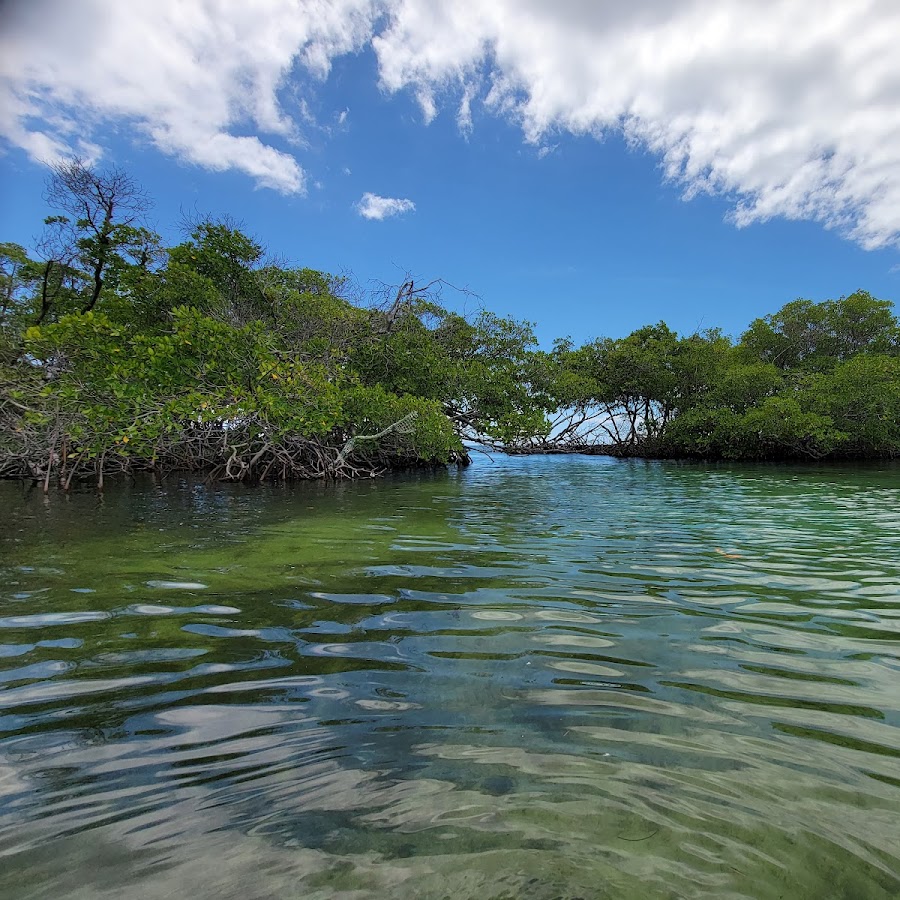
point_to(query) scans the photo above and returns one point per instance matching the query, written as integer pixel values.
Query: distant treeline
(119, 355)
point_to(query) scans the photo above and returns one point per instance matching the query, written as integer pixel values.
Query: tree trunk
(46, 299)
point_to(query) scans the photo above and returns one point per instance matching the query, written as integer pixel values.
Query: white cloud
(371, 206)
(791, 109)
(201, 80)
(788, 109)
(464, 113)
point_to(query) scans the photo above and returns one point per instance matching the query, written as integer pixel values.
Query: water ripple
(539, 678)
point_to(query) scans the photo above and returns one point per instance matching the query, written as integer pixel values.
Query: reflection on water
(537, 678)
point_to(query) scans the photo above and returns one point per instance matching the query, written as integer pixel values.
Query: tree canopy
(120, 354)
(810, 381)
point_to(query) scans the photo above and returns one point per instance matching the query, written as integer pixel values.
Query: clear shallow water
(537, 678)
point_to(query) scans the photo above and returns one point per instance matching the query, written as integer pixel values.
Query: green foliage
(225, 256)
(117, 354)
(815, 336)
(809, 381)
(862, 397)
(205, 356)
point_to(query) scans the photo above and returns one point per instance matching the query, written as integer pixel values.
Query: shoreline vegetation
(120, 355)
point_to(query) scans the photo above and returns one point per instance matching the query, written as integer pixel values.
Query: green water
(537, 678)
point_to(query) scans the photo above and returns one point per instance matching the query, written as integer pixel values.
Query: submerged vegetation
(118, 354)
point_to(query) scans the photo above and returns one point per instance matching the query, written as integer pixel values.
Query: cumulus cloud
(787, 109)
(790, 109)
(371, 206)
(200, 80)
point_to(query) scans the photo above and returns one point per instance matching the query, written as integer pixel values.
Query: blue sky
(541, 206)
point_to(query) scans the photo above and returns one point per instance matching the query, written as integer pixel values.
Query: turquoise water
(547, 678)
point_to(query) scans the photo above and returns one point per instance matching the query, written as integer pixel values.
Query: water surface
(537, 678)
